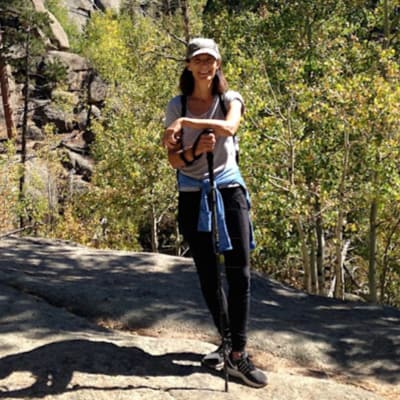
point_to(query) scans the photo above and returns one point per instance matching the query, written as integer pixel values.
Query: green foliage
(132, 183)
(39, 205)
(8, 187)
(23, 30)
(317, 90)
(319, 139)
(44, 186)
(21, 25)
(55, 71)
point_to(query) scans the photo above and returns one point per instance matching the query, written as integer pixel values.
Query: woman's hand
(205, 144)
(172, 135)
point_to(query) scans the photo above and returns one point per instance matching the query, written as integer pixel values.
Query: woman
(205, 101)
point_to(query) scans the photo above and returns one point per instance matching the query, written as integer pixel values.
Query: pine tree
(22, 33)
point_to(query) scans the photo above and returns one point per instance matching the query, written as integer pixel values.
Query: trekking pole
(220, 259)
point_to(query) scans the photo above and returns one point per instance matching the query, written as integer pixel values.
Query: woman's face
(203, 67)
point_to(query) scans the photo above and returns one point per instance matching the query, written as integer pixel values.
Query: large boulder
(68, 109)
(59, 35)
(79, 11)
(78, 68)
(109, 4)
(97, 90)
(55, 115)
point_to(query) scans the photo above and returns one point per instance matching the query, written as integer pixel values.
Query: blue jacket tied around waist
(223, 179)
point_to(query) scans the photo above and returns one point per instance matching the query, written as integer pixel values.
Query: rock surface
(79, 323)
(57, 30)
(79, 11)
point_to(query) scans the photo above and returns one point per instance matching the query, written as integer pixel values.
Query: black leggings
(237, 261)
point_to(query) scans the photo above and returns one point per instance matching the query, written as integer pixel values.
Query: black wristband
(184, 159)
(193, 153)
(194, 147)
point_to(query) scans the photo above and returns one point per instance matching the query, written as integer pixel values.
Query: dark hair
(186, 83)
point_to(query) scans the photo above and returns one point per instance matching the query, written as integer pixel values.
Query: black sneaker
(244, 369)
(215, 359)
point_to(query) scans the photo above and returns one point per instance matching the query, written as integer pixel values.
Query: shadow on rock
(359, 338)
(53, 365)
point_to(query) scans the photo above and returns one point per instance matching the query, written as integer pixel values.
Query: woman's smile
(206, 74)
(203, 66)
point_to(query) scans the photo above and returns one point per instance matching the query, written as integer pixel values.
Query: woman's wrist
(186, 155)
(195, 153)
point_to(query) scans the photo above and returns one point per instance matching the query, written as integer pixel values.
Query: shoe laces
(245, 365)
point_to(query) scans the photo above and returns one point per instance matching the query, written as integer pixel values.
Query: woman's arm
(222, 127)
(179, 157)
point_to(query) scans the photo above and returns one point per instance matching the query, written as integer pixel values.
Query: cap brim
(211, 52)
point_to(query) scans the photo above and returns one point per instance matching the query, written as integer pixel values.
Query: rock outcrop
(66, 108)
(52, 292)
(109, 4)
(60, 37)
(79, 11)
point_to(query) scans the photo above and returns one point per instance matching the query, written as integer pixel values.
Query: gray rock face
(109, 4)
(78, 68)
(59, 34)
(69, 106)
(79, 11)
(97, 90)
(67, 109)
(51, 113)
(48, 352)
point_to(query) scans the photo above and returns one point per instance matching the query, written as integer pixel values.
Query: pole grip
(210, 157)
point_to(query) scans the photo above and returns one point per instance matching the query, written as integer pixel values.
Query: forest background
(319, 142)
